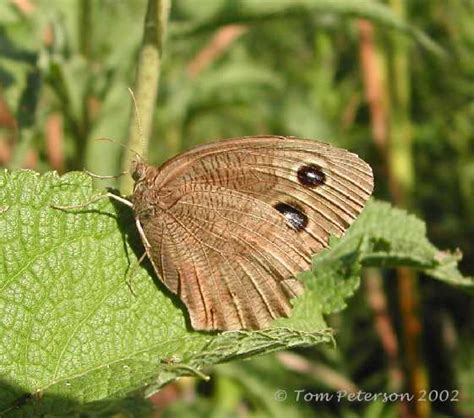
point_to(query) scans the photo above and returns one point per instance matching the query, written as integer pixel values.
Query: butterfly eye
(311, 175)
(295, 216)
(138, 172)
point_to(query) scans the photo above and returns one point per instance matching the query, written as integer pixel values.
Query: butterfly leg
(142, 257)
(142, 234)
(129, 282)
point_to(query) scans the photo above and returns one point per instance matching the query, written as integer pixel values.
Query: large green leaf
(249, 11)
(72, 333)
(71, 330)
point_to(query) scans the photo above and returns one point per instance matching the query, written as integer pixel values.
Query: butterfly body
(228, 225)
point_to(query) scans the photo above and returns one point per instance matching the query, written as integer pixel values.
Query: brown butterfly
(228, 225)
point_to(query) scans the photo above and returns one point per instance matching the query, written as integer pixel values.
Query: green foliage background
(295, 68)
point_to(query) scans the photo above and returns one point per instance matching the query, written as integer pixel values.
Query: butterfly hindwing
(238, 219)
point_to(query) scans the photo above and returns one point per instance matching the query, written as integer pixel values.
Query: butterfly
(228, 225)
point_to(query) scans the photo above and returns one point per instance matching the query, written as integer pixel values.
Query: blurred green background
(390, 80)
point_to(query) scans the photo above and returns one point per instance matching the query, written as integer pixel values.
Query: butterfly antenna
(102, 177)
(125, 146)
(137, 119)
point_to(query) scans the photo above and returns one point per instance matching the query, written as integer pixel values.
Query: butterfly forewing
(231, 223)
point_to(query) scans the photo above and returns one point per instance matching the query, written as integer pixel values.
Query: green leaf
(71, 331)
(72, 334)
(249, 11)
(392, 237)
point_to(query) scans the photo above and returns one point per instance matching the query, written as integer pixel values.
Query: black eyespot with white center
(311, 175)
(295, 216)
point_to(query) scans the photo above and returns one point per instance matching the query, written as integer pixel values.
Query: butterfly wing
(238, 219)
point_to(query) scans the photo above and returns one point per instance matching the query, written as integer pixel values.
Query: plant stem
(26, 118)
(374, 69)
(401, 162)
(146, 84)
(85, 28)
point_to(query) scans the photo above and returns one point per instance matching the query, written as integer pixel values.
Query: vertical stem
(85, 28)
(400, 155)
(26, 116)
(401, 170)
(146, 83)
(384, 327)
(374, 83)
(374, 70)
(85, 35)
(54, 136)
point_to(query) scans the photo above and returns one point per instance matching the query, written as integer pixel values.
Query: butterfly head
(144, 190)
(138, 169)
(142, 175)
